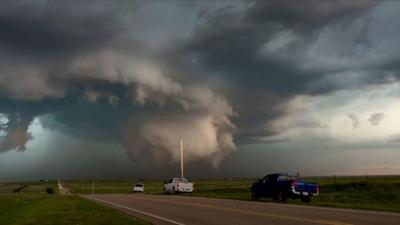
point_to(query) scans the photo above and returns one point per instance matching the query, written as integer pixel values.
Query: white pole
(182, 175)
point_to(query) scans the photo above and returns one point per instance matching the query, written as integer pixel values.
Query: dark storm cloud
(81, 69)
(231, 41)
(76, 68)
(57, 27)
(287, 48)
(307, 16)
(376, 118)
(39, 39)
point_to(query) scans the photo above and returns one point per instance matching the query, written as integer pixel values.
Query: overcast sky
(105, 90)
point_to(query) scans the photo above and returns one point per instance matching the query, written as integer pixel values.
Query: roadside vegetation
(361, 192)
(39, 203)
(368, 192)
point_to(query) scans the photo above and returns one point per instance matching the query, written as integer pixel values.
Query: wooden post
(182, 175)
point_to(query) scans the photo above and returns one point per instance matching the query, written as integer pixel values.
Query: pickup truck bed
(178, 185)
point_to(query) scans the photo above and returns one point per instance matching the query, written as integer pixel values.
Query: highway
(185, 210)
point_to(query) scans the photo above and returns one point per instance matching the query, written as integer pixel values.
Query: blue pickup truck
(280, 187)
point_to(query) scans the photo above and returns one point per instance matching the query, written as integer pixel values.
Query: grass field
(373, 192)
(32, 205)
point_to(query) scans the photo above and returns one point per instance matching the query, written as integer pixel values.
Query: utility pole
(182, 175)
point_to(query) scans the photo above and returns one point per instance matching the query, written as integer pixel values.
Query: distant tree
(49, 190)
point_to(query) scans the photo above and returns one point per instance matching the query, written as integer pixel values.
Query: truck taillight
(293, 184)
(318, 188)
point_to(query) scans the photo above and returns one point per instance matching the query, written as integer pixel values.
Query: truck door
(274, 185)
(267, 186)
(168, 187)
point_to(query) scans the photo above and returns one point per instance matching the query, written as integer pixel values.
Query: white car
(178, 185)
(139, 187)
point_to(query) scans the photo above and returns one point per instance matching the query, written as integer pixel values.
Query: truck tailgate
(184, 187)
(306, 187)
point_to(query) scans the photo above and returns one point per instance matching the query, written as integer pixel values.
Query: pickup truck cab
(280, 187)
(178, 185)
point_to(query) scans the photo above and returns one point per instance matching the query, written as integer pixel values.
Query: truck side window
(286, 178)
(170, 181)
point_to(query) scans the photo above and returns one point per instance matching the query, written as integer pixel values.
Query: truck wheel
(173, 191)
(165, 191)
(306, 199)
(254, 196)
(280, 196)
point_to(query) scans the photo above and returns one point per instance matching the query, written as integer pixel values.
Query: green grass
(227, 189)
(33, 206)
(377, 193)
(109, 187)
(373, 192)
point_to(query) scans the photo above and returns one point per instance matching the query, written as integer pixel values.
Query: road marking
(309, 207)
(337, 209)
(318, 221)
(137, 211)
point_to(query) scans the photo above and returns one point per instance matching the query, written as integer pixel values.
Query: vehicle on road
(178, 185)
(280, 187)
(138, 187)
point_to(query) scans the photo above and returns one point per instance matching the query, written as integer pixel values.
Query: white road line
(138, 211)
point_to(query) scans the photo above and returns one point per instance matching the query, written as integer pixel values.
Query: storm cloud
(284, 49)
(376, 118)
(354, 120)
(217, 76)
(78, 64)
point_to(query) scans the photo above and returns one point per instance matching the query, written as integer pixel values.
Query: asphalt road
(180, 210)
